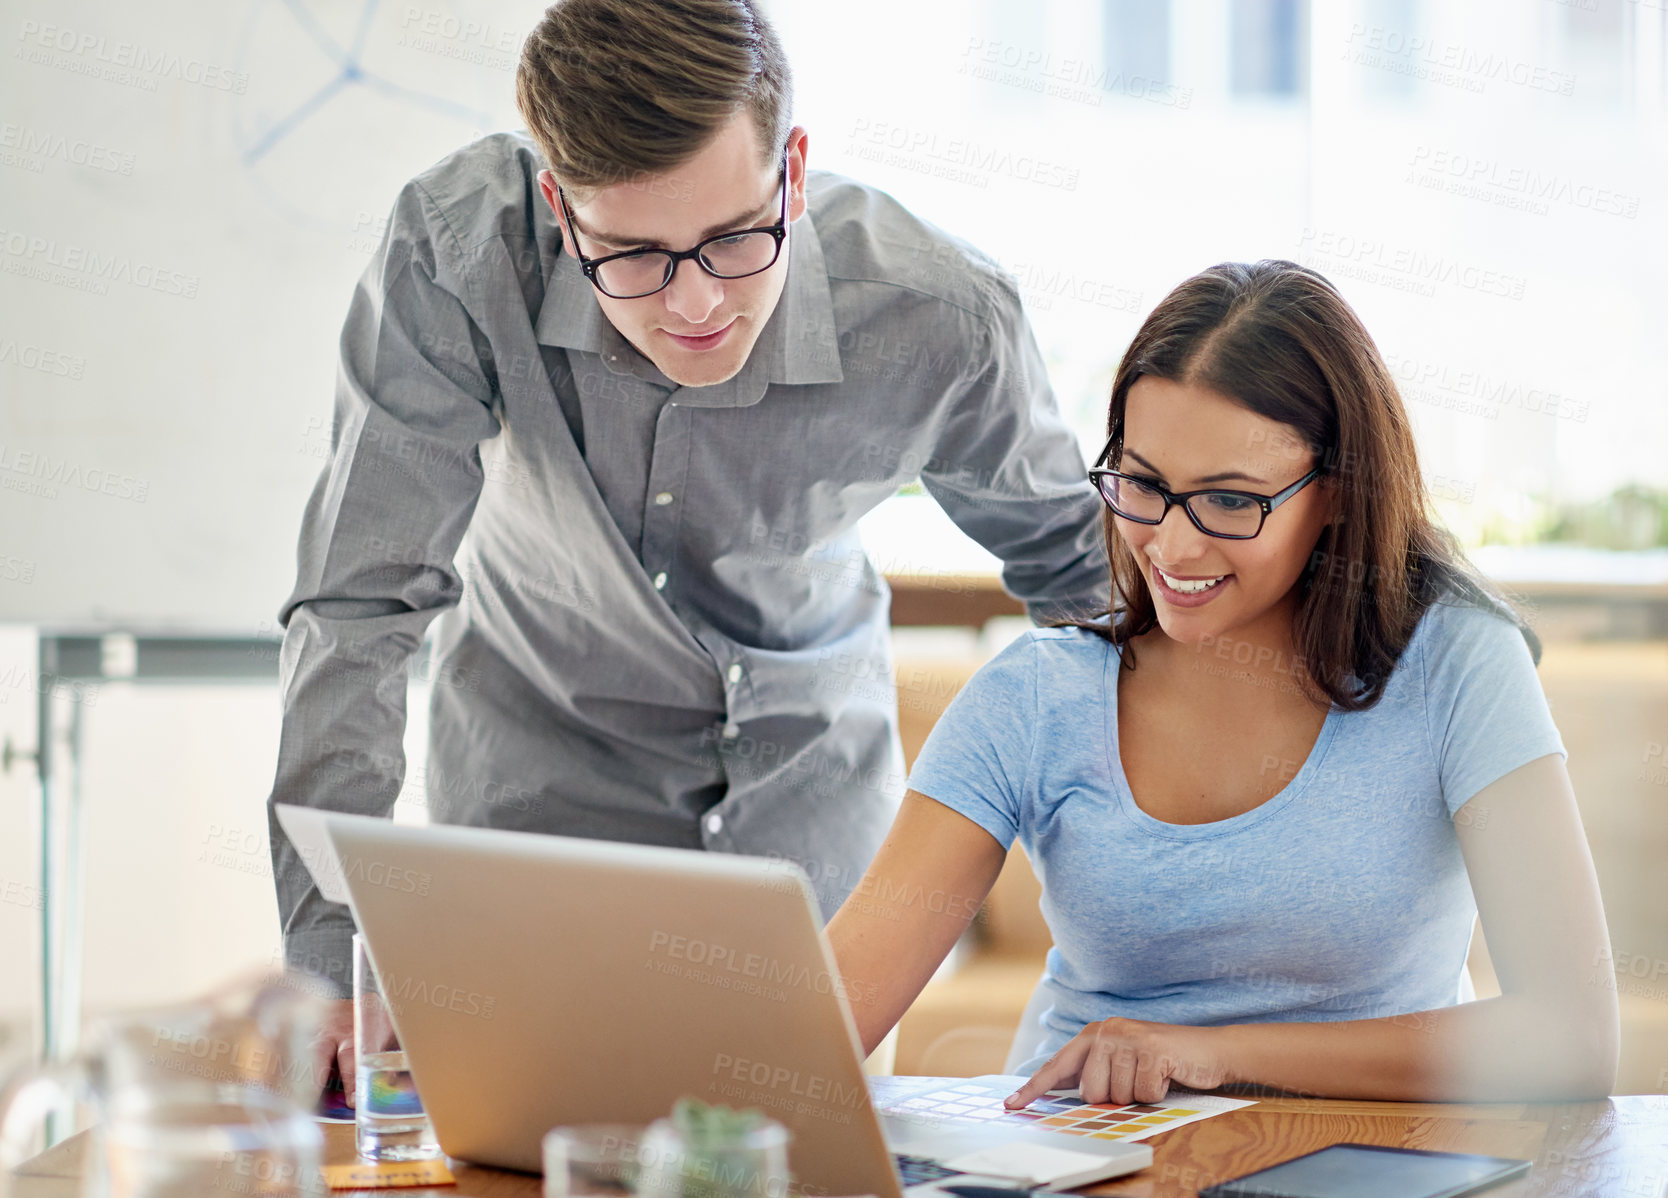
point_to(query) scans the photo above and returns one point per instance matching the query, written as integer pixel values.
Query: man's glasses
(733, 255)
(1232, 515)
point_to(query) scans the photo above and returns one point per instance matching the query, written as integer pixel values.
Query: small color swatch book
(978, 1100)
(381, 1175)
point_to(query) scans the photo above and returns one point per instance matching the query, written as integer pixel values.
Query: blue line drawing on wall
(284, 43)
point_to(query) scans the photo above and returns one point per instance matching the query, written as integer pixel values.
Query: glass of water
(389, 1121)
(714, 1157)
(246, 1142)
(593, 1160)
(210, 1096)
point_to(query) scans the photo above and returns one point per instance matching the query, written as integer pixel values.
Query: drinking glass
(388, 1117)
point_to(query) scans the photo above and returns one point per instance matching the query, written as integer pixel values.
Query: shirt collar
(799, 343)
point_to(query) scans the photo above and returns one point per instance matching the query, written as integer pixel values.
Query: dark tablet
(1372, 1171)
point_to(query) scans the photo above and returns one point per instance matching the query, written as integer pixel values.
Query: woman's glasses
(1233, 515)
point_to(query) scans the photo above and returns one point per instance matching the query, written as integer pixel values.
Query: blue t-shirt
(1342, 897)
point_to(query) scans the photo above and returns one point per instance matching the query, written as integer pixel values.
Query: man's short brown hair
(614, 89)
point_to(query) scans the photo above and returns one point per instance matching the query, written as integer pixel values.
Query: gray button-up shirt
(659, 622)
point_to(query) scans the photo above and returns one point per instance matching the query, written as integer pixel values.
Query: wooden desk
(1613, 1149)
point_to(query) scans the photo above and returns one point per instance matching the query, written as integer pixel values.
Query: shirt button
(663, 498)
(715, 823)
(735, 671)
(731, 731)
(660, 581)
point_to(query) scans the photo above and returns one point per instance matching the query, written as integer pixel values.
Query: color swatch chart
(979, 1101)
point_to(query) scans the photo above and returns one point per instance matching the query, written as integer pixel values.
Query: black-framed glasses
(1232, 515)
(732, 255)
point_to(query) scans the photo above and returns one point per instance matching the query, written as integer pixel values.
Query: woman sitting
(1266, 799)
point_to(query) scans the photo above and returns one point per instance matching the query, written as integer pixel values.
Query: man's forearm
(319, 941)
(343, 689)
(1081, 589)
(1510, 1048)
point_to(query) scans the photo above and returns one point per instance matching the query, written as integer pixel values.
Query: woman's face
(1188, 438)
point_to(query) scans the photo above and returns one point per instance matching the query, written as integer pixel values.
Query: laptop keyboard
(918, 1170)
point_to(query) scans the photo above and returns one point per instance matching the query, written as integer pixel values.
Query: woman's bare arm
(1554, 1030)
(921, 891)
(1552, 1033)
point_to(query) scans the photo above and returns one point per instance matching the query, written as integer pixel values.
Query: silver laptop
(540, 980)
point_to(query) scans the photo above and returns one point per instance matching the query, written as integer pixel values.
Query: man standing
(656, 371)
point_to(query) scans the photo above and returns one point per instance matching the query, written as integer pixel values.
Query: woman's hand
(1128, 1060)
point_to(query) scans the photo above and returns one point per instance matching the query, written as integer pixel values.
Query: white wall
(178, 874)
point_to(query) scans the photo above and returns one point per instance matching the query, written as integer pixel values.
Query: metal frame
(87, 659)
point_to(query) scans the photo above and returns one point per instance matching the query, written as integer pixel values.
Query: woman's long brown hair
(1279, 339)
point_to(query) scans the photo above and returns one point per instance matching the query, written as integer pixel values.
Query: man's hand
(333, 1044)
(1128, 1060)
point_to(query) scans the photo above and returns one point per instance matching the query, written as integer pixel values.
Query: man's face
(697, 329)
